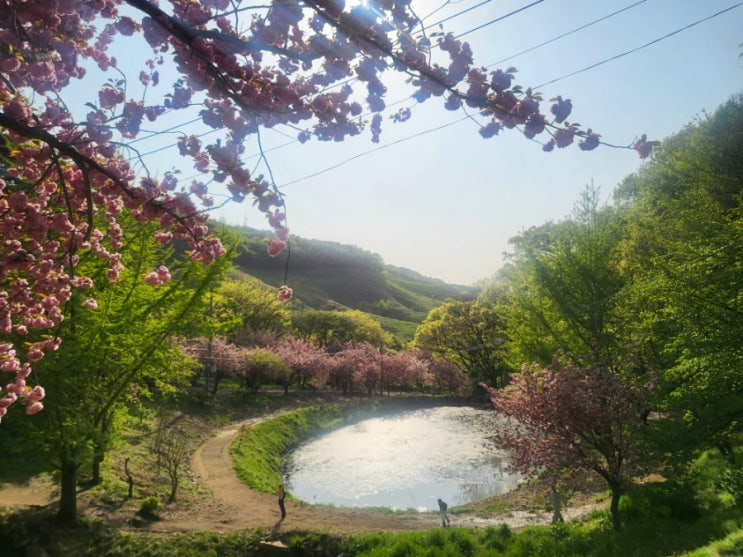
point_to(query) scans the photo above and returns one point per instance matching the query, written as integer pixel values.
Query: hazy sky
(435, 197)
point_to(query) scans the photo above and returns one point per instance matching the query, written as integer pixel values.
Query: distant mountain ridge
(331, 275)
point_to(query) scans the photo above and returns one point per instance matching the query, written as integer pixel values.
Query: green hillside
(329, 275)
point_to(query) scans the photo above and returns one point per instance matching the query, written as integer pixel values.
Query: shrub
(150, 507)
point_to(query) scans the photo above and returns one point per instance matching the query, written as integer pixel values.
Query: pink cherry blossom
(34, 408)
(285, 293)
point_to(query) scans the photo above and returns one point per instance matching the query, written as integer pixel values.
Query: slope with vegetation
(330, 275)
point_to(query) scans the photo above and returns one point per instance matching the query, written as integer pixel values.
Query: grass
(258, 451)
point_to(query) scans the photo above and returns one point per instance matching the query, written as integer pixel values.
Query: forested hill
(330, 275)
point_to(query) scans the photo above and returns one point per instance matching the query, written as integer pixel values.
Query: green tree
(252, 309)
(470, 334)
(121, 350)
(262, 366)
(326, 328)
(565, 288)
(685, 256)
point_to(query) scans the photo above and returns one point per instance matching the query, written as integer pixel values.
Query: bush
(666, 500)
(731, 481)
(150, 507)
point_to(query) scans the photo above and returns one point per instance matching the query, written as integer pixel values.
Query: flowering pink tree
(355, 366)
(306, 360)
(569, 416)
(315, 66)
(403, 370)
(218, 357)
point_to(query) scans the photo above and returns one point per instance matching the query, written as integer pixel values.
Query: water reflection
(403, 461)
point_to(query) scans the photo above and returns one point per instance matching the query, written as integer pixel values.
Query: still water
(404, 461)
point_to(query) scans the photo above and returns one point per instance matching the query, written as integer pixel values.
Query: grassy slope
(329, 275)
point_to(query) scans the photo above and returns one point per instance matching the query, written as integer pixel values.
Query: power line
(453, 16)
(557, 38)
(370, 151)
(686, 27)
(621, 55)
(497, 19)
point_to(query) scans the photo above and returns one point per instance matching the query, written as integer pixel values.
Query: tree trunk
(67, 513)
(173, 486)
(96, 465)
(129, 478)
(616, 493)
(215, 382)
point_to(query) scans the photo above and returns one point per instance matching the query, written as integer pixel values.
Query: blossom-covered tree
(307, 361)
(577, 417)
(315, 66)
(218, 358)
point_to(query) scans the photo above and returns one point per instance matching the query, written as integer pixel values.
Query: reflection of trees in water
(501, 481)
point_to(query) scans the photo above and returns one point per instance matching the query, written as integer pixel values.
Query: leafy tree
(470, 334)
(579, 417)
(326, 328)
(218, 358)
(262, 366)
(684, 255)
(356, 365)
(253, 310)
(307, 361)
(447, 377)
(565, 289)
(404, 370)
(119, 348)
(316, 66)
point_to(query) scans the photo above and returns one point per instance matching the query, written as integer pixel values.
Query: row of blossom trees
(350, 367)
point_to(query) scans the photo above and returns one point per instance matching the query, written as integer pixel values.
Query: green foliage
(325, 328)
(470, 334)
(731, 545)
(245, 308)
(263, 367)
(564, 289)
(150, 507)
(657, 501)
(682, 248)
(192, 544)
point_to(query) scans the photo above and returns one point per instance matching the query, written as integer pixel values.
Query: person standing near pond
(557, 500)
(282, 496)
(443, 508)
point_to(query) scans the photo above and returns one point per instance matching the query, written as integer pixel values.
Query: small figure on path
(557, 500)
(443, 507)
(282, 496)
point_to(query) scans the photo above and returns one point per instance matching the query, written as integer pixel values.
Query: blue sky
(435, 197)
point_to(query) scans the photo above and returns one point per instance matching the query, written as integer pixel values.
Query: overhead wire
(637, 49)
(567, 34)
(497, 19)
(453, 16)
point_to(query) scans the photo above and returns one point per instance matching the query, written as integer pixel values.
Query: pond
(403, 461)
